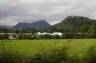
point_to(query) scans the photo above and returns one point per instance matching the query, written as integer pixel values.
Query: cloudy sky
(53, 11)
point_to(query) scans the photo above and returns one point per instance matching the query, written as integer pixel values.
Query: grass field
(31, 47)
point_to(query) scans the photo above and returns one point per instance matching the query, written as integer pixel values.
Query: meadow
(31, 47)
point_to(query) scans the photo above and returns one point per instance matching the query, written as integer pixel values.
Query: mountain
(38, 25)
(76, 24)
(3, 26)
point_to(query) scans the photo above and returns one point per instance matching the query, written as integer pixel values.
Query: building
(57, 33)
(45, 33)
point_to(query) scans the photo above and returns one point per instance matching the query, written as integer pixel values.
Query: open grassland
(31, 47)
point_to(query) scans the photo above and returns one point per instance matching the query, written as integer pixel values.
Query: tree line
(34, 36)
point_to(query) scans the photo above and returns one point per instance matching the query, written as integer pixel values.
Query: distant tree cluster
(30, 36)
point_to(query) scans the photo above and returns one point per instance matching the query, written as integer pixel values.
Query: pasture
(31, 47)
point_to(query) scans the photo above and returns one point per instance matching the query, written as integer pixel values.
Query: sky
(53, 11)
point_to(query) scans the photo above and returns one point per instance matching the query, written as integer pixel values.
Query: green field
(31, 47)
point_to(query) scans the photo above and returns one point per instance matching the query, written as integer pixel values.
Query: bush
(24, 36)
(55, 56)
(4, 36)
(9, 56)
(90, 56)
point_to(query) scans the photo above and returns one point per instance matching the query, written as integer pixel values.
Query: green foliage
(54, 56)
(92, 30)
(9, 56)
(90, 56)
(31, 30)
(4, 36)
(48, 51)
(14, 30)
(24, 36)
(73, 24)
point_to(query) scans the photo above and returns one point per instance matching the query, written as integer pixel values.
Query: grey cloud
(53, 11)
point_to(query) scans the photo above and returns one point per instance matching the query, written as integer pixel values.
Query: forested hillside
(76, 24)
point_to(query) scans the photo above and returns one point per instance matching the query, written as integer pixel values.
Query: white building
(45, 33)
(57, 33)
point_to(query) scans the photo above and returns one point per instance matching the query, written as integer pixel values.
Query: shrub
(90, 56)
(4, 36)
(55, 56)
(12, 57)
